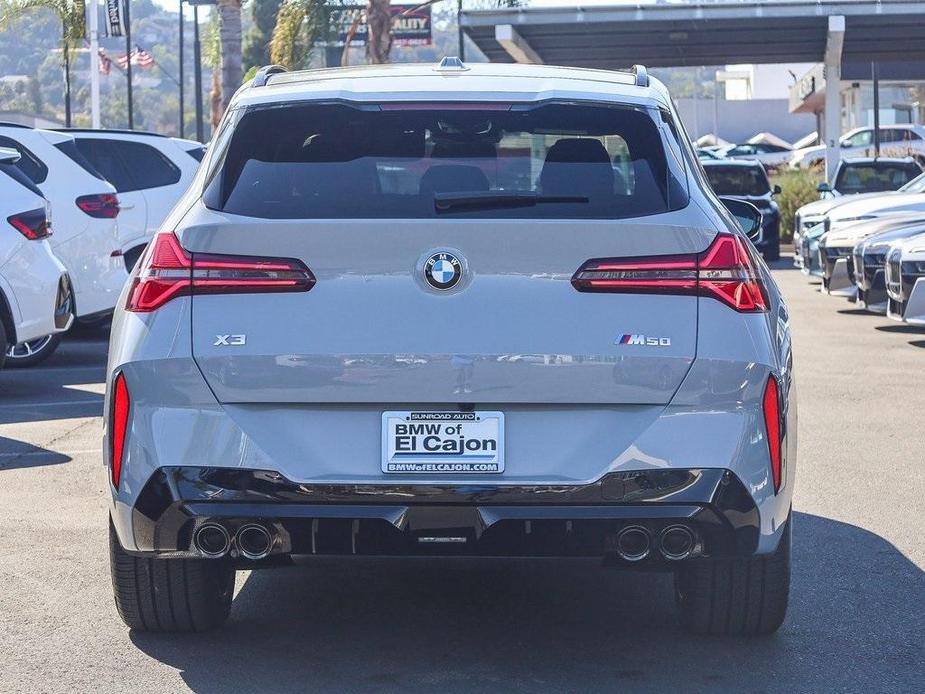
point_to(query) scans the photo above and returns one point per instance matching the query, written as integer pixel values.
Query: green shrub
(798, 187)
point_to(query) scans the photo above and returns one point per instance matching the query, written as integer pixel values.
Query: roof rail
(13, 124)
(264, 73)
(641, 75)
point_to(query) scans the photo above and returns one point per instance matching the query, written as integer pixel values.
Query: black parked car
(748, 180)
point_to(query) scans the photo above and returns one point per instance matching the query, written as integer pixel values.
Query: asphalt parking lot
(856, 623)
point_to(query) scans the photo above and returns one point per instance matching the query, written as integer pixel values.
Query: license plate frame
(464, 449)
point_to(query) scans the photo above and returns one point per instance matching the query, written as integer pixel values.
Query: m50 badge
(644, 340)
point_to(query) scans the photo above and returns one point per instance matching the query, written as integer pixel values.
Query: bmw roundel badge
(442, 270)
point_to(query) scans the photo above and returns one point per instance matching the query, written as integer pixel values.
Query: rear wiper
(498, 199)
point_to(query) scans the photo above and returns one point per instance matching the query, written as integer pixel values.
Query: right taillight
(771, 408)
(724, 271)
(99, 205)
(167, 270)
(33, 224)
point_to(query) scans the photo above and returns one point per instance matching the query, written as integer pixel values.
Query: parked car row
(869, 249)
(79, 207)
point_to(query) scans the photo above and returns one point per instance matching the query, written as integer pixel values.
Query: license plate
(442, 442)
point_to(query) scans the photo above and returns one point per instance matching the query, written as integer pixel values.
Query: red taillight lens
(724, 271)
(100, 205)
(168, 270)
(118, 425)
(771, 407)
(33, 224)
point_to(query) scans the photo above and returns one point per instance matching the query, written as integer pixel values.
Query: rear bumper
(476, 520)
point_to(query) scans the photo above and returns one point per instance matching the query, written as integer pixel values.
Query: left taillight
(99, 205)
(771, 408)
(32, 224)
(118, 426)
(167, 270)
(724, 271)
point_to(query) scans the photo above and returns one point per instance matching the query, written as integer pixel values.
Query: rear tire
(27, 354)
(742, 596)
(169, 595)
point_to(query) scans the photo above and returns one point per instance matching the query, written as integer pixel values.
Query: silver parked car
(601, 360)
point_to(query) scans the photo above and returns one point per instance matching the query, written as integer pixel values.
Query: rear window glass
(31, 166)
(874, 178)
(69, 147)
(738, 180)
(197, 153)
(463, 160)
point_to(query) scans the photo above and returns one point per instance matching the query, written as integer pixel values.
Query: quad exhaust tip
(254, 541)
(633, 543)
(676, 542)
(212, 540)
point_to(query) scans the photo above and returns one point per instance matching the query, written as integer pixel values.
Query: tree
(378, 31)
(229, 20)
(257, 39)
(299, 25)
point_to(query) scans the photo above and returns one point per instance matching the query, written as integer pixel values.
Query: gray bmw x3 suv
(468, 311)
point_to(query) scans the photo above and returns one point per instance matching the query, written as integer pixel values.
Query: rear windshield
(197, 153)
(738, 180)
(69, 147)
(874, 178)
(404, 161)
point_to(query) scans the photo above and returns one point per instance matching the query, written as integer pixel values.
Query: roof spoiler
(263, 74)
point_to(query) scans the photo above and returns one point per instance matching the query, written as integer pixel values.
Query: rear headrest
(577, 166)
(578, 150)
(453, 178)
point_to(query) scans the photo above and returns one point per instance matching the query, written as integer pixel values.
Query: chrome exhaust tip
(676, 542)
(633, 543)
(212, 540)
(254, 541)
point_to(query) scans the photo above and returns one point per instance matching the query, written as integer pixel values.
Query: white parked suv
(905, 280)
(902, 140)
(150, 172)
(35, 293)
(85, 208)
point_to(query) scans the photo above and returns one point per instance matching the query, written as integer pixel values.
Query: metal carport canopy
(699, 33)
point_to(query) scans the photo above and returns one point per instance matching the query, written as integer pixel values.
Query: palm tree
(299, 24)
(229, 20)
(378, 31)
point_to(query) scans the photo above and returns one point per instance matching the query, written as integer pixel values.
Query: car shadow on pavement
(541, 625)
(903, 329)
(67, 385)
(19, 454)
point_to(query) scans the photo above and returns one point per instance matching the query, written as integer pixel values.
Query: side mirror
(823, 188)
(845, 143)
(9, 155)
(747, 215)
(777, 190)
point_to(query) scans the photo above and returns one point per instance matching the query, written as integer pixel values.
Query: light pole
(181, 68)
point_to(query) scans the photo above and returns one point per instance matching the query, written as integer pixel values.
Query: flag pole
(181, 70)
(128, 67)
(94, 64)
(67, 78)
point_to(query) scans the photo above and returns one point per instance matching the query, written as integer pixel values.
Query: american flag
(105, 62)
(139, 57)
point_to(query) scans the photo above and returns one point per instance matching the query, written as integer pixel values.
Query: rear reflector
(771, 406)
(724, 271)
(168, 270)
(100, 205)
(33, 224)
(118, 426)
